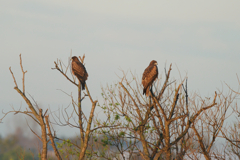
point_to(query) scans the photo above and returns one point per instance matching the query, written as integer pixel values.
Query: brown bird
(79, 71)
(149, 75)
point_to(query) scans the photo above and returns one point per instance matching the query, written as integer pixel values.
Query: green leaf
(121, 133)
(128, 119)
(117, 117)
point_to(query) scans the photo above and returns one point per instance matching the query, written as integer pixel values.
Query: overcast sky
(200, 38)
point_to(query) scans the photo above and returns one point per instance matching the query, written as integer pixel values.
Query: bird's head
(74, 58)
(153, 62)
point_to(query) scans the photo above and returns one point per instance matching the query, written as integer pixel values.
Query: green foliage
(105, 141)
(67, 150)
(121, 134)
(10, 150)
(128, 119)
(117, 117)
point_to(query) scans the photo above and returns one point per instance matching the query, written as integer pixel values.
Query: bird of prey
(149, 75)
(79, 71)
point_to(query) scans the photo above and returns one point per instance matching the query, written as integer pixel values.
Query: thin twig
(13, 77)
(23, 79)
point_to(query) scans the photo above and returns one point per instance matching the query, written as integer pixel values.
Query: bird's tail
(146, 91)
(83, 85)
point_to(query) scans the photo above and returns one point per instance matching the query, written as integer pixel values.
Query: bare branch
(56, 67)
(33, 131)
(23, 79)
(13, 77)
(52, 139)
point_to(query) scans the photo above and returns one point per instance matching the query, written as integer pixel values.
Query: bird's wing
(78, 69)
(146, 72)
(149, 75)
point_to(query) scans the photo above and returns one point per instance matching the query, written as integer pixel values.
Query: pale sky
(200, 38)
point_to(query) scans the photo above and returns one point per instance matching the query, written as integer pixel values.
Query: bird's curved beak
(156, 63)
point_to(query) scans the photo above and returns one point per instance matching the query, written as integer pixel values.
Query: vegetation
(169, 124)
(11, 150)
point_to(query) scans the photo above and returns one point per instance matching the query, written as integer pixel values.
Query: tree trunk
(44, 136)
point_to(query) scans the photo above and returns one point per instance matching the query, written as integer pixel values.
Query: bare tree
(156, 123)
(83, 123)
(208, 126)
(36, 113)
(41, 117)
(169, 124)
(231, 131)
